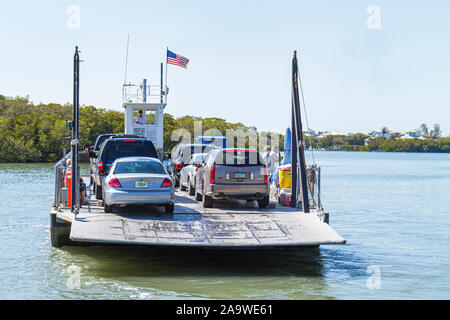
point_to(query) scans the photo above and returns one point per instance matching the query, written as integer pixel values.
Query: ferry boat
(229, 225)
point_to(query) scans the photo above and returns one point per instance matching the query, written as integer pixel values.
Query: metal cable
(306, 115)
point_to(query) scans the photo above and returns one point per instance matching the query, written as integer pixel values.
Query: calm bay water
(393, 209)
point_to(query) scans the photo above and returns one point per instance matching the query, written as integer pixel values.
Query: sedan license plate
(141, 184)
(239, 175)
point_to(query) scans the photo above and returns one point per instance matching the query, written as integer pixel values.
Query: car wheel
(98, 192)
(177, 182)
(182, 187)
(169, 208)
(263, 203)
(198, 196)
(108, 208)
(191, 189)
(207, 201)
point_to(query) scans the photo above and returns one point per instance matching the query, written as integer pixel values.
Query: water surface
(393, 209)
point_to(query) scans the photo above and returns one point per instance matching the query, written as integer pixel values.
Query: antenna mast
(126, 60)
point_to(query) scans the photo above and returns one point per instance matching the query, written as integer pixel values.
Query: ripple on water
(391, 208)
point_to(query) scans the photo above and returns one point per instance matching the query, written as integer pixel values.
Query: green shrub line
(38, 133)
(357, 142)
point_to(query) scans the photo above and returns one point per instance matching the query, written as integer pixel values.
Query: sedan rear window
(139, 167)
(238, 157)
(100, 140)
(198, 158)
(190, 150)
(120, 149)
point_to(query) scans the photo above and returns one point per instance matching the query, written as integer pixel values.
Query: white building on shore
(411, 135)
(330, 133)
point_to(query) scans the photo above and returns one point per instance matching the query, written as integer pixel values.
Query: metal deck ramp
(230, 225)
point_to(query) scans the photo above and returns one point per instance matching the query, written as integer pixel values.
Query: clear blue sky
(355, 79)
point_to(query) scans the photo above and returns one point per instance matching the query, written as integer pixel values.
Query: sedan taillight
(178, 165)
(114, 182)
(212, 174)
(100, 166)
(166, 183)
(266, 176)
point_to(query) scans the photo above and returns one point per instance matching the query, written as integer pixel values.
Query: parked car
(180, 157)
(115, 148)
(93, 151)
(138, 180)
(188, 173)
(232, 174)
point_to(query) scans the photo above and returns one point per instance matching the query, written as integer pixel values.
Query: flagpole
(167, 51)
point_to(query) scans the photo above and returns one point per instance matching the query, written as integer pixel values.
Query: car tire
(182, 188)
(191, 189)
(169, 208)
(98, 192)
(107, 208)
(177, 182)
(263, 203)
(198, 196)
(207, 200)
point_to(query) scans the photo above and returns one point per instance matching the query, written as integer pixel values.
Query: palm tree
(436, 131)
(424, 129)
(384, 130)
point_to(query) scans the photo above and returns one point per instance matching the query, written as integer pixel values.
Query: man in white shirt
(140, 118)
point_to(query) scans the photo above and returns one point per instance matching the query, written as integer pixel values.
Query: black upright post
(300, 150)
(75, 195)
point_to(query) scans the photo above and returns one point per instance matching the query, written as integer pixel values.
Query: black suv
(114, 148)
(93, 151)
(180, 157)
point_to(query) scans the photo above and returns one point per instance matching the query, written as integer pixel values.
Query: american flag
(176, 59)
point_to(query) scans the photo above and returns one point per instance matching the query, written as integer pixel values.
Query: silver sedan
(138, 180)
(187, 174)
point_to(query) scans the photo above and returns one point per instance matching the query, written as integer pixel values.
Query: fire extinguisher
(68, 182)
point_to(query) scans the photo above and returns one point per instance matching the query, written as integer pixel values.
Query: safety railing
(132, 93)
(313, 180)
(60, 167)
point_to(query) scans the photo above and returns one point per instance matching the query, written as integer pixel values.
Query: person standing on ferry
(166, 162)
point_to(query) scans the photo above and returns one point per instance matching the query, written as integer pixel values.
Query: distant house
(330, 133)
(366, 141)
(310, 132)
(379, 134)
(411, 135)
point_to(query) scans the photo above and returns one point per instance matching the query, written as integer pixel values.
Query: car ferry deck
(228, 225)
